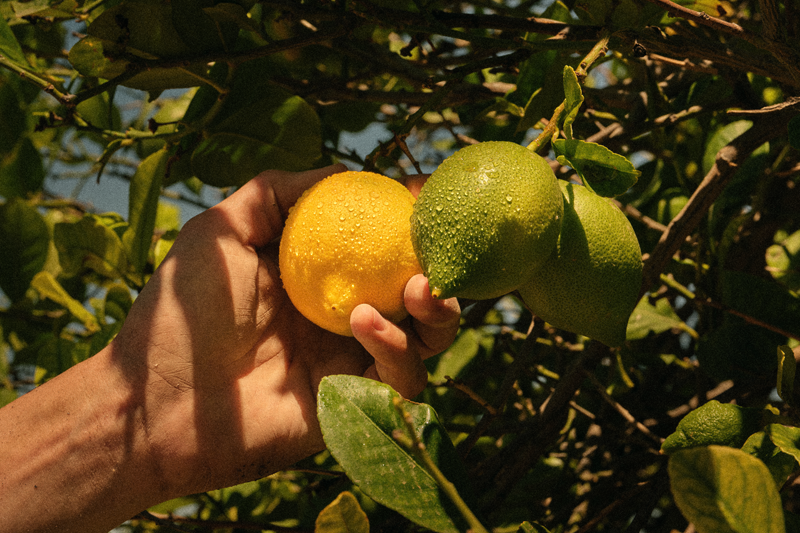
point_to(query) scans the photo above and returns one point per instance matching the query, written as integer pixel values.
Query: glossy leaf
(145, 190)
(603, 171)
(24, 243)
(725, 490)
(48, 287)
(573, 98)
(357, 418)
(342, 515)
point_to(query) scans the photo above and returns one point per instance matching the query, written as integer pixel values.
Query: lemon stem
(436, 292)
(551, 129)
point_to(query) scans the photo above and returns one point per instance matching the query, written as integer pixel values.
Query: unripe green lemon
(590, 284)
(718, 423)
(485, 220)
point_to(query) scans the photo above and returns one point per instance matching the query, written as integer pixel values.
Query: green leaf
(94, 57)
(24, 243)
(145, 190)
(48, 287)
(46, 9)
(15, 119)
(725, 490)
(163, 246)
(357, 418)
(21, 171)
(573, 98)
(786, 438)
(657, 318)
(794, 132)
(7, 396)
(723, 424)
(603, 171)
(227, 159)
(457, 356)
(118, 302)
(342, 515)
(93, 243)
(528, 527)
(723, 137)
(787, 366)
(783, 260)
(780, 464)
(9, 46)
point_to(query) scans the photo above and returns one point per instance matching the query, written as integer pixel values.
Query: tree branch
(728, 160)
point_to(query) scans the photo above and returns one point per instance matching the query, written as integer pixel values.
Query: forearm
(74, 454)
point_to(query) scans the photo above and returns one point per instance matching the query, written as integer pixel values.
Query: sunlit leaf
(725, 490)
(603, 171)
(357, 417)
(342, 515)
(163, 246)
(780, 464)
(145, 190)
(91, 243)
(787, 438)
(787, 367)
(657, 318)
(573, 98)
(9, 46)
(48, 287)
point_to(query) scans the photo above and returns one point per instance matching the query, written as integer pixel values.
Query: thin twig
(621, 410)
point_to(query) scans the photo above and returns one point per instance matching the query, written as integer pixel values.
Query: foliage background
(185, 100)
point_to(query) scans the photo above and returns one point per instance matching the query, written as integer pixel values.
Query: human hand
(227, 365)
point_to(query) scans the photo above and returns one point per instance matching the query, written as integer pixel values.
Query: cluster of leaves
(551, 431)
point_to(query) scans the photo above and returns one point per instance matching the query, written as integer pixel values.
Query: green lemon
(485, 220)
(590, 284)
(724, 424)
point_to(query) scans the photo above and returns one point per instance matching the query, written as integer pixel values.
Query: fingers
(399, 350)
(435, 321)
(396, 362)
(257, 210)
(414, 183)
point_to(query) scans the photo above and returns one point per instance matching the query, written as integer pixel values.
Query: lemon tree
(347, 242)
(123, 118)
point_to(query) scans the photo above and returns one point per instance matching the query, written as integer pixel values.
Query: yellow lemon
(347, 241)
